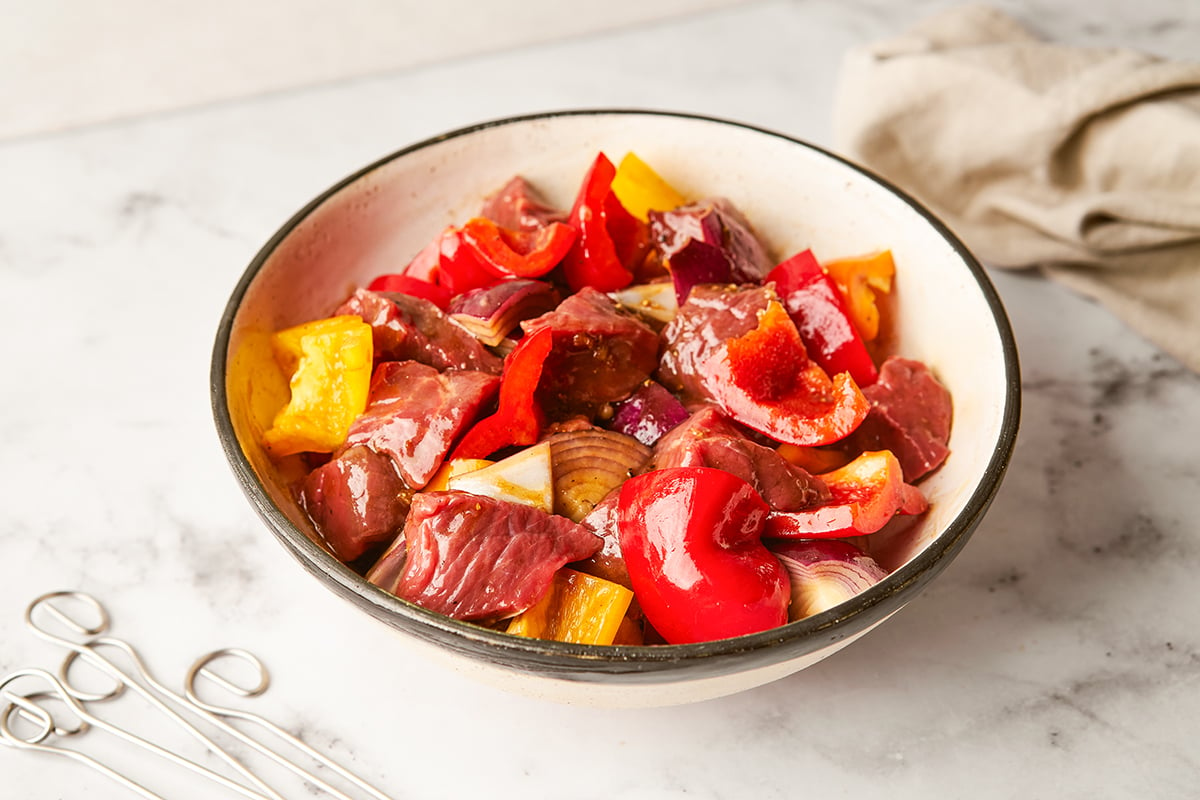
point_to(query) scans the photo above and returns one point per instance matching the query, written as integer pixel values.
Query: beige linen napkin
(1082, 161)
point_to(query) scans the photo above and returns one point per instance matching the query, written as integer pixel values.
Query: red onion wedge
(824, 573)
(492, 313)
(708, 242)
(648, 413)
(590, 463)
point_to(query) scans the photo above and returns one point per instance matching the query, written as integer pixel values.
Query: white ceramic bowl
(796, 195)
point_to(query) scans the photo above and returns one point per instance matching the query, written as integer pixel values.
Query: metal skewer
(202, 669)
(90, 646)
(37, 741)
(143, 683)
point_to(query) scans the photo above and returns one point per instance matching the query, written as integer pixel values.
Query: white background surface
(72, 63)
(148, 151)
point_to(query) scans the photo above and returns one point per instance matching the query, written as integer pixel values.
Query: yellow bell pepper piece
(641, 190)
(858, 279)
(330, 363)
(578, 608)
(256, 385)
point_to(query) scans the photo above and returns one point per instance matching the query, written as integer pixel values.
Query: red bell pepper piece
(690, 537)
(630, 235)
(460, 268)
(481, 253)
(518, 418)
(446, 263)
(765, 380)
(414, 287)
(603, 251)
(866, 494)
(525, 254)
(427, 263)
(816, 306)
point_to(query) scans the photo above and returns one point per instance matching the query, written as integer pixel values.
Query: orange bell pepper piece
(866, 494)
(858, 279)
(814, 460)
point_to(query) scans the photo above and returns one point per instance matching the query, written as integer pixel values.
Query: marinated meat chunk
(481, 559)
(518, 207)
(910, 415)
(356, 500)
(711, 316)
(707, 439)
(704, 421)
(785, 486)
(607, 562)
(415, 413)
(600, 354)
(407, 328)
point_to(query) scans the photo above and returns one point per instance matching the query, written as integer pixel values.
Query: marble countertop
(1059, 656)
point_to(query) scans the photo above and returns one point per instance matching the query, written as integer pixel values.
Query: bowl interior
(796, 196)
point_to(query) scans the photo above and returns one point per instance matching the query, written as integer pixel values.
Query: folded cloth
(1084, 162)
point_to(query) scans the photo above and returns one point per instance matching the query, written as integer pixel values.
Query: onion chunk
(825, 573)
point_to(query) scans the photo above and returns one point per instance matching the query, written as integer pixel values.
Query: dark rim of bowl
(625, 664)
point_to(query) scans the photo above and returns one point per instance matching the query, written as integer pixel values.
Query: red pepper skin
(815, 304)
(818, 411)
(691, 539)
(518, 418)
(414, 287)
(525, 254)
(866, 494)
(765, 380)
(460, 268)
(630, 235)
(426, 264)
(594, 259)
